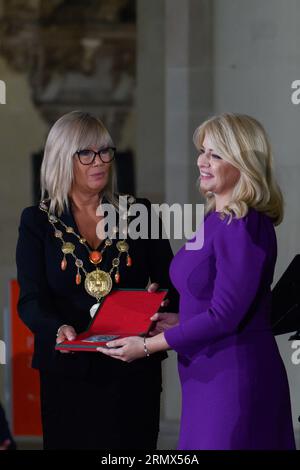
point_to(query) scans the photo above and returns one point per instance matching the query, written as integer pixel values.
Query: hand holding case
(122, 313)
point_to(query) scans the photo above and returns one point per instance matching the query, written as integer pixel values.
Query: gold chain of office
(98, 283)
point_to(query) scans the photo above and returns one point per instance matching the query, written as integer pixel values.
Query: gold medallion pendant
(98, 283)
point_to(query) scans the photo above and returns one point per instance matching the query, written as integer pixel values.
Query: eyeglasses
(87, 156)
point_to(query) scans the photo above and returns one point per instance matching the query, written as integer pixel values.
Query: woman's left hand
(124, 349)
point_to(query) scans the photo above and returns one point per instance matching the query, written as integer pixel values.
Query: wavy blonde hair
(73, 131)
(242, 141)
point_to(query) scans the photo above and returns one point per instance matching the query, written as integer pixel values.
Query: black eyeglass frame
(96, 153)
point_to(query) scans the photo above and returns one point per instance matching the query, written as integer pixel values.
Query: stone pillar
(174, 95)
(150, 99)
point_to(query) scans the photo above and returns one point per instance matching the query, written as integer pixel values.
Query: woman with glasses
(88, 401)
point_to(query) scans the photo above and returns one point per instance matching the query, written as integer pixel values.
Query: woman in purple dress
(235, 393)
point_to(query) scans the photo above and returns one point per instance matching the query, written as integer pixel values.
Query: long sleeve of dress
(35, 307)
(239, 269)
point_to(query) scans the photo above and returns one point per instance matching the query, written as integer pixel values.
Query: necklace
(98, 283)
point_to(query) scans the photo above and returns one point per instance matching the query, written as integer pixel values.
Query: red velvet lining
(122, 313)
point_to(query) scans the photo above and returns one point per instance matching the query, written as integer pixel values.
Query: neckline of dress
(212, 213)
(250, 209)
(77, 231)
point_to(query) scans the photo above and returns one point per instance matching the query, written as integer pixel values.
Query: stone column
(174, 95)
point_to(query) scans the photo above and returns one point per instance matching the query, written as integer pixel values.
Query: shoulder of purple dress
(255, 225)
(253, 216)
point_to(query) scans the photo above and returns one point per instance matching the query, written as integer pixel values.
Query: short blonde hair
(73, 131)
(242, 141)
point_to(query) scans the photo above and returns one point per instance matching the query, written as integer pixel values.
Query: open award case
(122, 313)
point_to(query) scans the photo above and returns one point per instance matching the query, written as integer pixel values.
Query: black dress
(88, 400)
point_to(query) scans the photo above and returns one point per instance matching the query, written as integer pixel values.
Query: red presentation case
(124, 312)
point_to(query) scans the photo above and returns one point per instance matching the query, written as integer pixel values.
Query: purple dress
(235, 393)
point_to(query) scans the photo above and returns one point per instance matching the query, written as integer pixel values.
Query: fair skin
(216, 174)
(89, 182)
(219, 177)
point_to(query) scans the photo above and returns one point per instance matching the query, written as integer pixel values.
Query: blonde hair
(73, 131)
(242, 141)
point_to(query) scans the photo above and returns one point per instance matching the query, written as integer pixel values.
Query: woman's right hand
(65, 332)
(163, 321)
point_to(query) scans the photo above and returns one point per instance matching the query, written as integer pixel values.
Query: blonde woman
(88, 401)
(235, 392)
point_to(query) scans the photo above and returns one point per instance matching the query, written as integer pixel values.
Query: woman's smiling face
(216, 175)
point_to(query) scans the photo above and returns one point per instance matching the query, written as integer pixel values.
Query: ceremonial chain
(98, 283)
